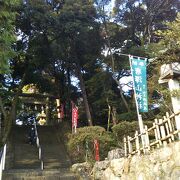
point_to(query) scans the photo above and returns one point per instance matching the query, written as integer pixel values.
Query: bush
(130, 116)
(126, 128)
(82, 142)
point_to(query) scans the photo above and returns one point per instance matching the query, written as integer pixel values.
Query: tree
(61, 45)
(81, 32)
(7, 33)
(110, 31)
(142, 18)
(168, 48)
(7, 38)
(139, 21)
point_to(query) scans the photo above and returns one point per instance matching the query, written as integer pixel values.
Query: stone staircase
(22, 161)
(53, 150)
(36, 174)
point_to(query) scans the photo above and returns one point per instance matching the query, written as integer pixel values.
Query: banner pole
(140, 121)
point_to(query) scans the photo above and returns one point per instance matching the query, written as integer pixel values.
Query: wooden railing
(2, 160)
(39, 147)
(162, 132)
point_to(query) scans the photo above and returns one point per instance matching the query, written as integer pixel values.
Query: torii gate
(38, 99)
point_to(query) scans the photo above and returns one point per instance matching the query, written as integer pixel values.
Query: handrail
(163, 130)
(38, 146)
(2, 160)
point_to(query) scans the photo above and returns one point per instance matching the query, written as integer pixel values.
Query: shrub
(130, 116)
(126, 128)
(81, 143)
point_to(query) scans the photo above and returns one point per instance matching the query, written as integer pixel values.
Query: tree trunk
(114, 113)
(47, 109)
(112, 64)
(86, 104)
(2, 107)
(10, 117)
(68, 100)
(109, 114)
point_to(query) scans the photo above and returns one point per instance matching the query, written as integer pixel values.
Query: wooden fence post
(170, 126)
(125, 147)
(129, 145)
(167, 129)
(156, 135)
(147, 138)
(137, 143)
(158, 132)
(162, 129)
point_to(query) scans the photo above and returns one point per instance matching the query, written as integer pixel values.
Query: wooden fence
(162, 132)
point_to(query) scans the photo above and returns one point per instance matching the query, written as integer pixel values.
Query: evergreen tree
(142, 18)
(7, 33)
(7, 38)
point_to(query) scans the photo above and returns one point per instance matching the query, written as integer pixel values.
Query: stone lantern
(170, 73)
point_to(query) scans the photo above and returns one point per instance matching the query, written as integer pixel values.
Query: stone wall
(160, 164)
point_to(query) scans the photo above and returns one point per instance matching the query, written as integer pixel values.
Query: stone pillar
(174, 85)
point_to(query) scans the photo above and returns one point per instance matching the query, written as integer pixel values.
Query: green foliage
(101, 94)
(129, 116)
(58, 38)
(7, 33)
(168, 48)
(83, 140)
(171, 36)
(143, 18)
(127, 129)
(175, 93)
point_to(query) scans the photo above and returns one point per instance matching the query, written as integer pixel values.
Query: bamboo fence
(162, 132)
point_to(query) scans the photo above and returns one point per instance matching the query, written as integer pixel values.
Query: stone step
(53, 150)
(37, 174)
(24, 157)
(27, 164)
(21, 154)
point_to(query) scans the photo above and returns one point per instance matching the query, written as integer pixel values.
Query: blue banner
(140, 82)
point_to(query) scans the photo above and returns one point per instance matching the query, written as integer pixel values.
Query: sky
(112, 4)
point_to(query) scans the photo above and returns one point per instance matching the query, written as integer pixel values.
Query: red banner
(74, 118)
(96, 149)
(62, 111)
